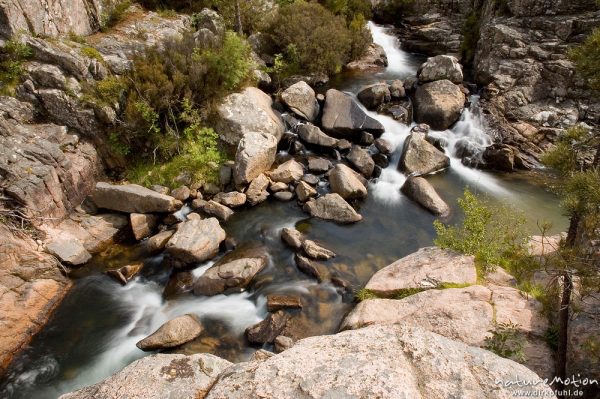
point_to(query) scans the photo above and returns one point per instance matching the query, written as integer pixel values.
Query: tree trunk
(238, 18)
(564, 310)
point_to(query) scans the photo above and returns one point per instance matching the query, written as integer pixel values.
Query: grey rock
(421, 157)
(345, 182)
(319, 165)
(332, 207)
(131, 198)
(439, 104)
(441, 67)
(181, 193)
(257, 191)
(300, 98)
(343, 117)
(255, 155)
(287, 172)
(196, 240)
(70, 252)
(213, 208)
(232, 199)
(422, 192)
(311, 134)
(373, 59)
(361, 160)
(284, 196)
(374, 95)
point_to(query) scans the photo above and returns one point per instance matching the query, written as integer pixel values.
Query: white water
(398, 60)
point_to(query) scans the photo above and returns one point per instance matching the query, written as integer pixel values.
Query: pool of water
(94, 331)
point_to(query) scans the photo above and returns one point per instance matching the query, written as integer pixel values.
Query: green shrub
(12, 57)
(115, 15)
(77, 38)
(506, 341)
(494, 235)
(471, 35)
(587, 59)
(92, 53)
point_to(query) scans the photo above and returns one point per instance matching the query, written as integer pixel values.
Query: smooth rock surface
(255, 155)
(313, 135)
(343, 117)
(70, 252)
(196, 240)
(287, 172)
(344, 182)
(300, 98)
(332, 207)
(421, 157)
(439, 104)
(131, 198)
(422, 192)
(361, 160)
(173, 333)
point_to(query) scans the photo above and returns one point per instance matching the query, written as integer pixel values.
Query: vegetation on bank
(12, 56)
(587, 59)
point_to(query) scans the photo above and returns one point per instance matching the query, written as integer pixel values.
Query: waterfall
(399, 62)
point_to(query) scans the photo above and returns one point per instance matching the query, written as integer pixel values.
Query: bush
(587, 59)
(506, 341)
(115, 15)
(471, 35)
(12, 57)
(494, 235)
(390, 11)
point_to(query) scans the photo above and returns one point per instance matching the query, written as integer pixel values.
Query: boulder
(181, 193)
(397, 90)
(131, 198)
(235, 270)
(374, 58)
(361, 160)
(284, 196)
(196, 240)
(343, 117)
(213, 208)
(255, 155)
(425, 268)
(69, 252)
(142, 225)
(172, 334)
(384, 146)
(158, 377)
(287, 172)
(292, 237)
(304, 191)
(421, 191)
(319, 165)
(332, 207)
(387, 361)
(257, 191)
(278, 302)
(247, 112)
(344, 182)
(311, 268)
(500, 157)
(311, 134)
(158, 242)
(267, 330)
(231, 200)
(374, 95)
(300, 99)
(421, 157)
(126, 273)
(438, 104)
(441, 67)
(315, 251)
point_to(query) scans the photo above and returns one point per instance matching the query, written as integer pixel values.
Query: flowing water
(94, 331)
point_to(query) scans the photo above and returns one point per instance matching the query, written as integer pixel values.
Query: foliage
(587, 59)
(364, 294)
(390, 11)
(551, 337)
(74, 37)
(494, 235)
(349, 9)
(92, 53)
(506, 341)
(115, 15)
(12, 56)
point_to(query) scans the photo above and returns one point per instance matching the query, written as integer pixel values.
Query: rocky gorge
(269, 260)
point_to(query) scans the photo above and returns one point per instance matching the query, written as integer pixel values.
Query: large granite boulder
(245, 112)
(288, 172)
(332, 207)
(255, 154)
(421, 157)
(196, 240)
(343, 117)
(70, 252)
(439, 104)
(345, 182)
(158, 377)
(131, 198)
(172, 334)
(441, 67)
(374, 58)
(421, 191)
(311, 134)
(375, 95)
(300, 99)
(386, 361)
(361, 160)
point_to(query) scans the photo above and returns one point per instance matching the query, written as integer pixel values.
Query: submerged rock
(196, 240)
(131, 198)
(279, 302)
(173, 333)
(332, 207)
(422, 192)
(343, 117)
(315, 251)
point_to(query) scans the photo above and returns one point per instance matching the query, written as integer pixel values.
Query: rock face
(421, 157)
(131, 198)
(311, 134)
(344, 182)
(419, 190)
(158, 377)
(196, 240)
(172, 334)
(245, 112)
(255, 155)
(235, 270)
(424, 269)
(374, 95)
(439, 68)
(386, 361)
(300, 98)
(332, 207)
(343, 117)
(439, 104)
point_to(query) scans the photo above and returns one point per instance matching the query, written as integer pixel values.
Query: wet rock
(332, 207)
(384, 146)
(304, 191)
(311, 134)
(287, 172)
(283, 343)
(319, 165)
(279, 302)
(439, 104)
(311, 268)
(248, 112)
(343, 117)
(441, 67)
(235, 270)
(196, 240)
(420, 157)
(179, 283)
(255, 155)
(131, 198)
(292, 237)
(366, 139)
(232, 199)
(310, 179)
(394, 361)
(267, 330)
(126, 273)
(373, 59)
(158, 242)
(344, 181)
(399, 112)
(213, 208)
(424, 269)
(257, 191)
(374, 95)
(421, 191)
(344, 145)
(142, 225)
(158, 377)
(315, 251)
(181, 193)
(383, 161)
(500, 157)
(284, 196)
(70, 252)
(397, 90)
(361, 160)
(172, 334)
(300, 98)
(278, 186)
